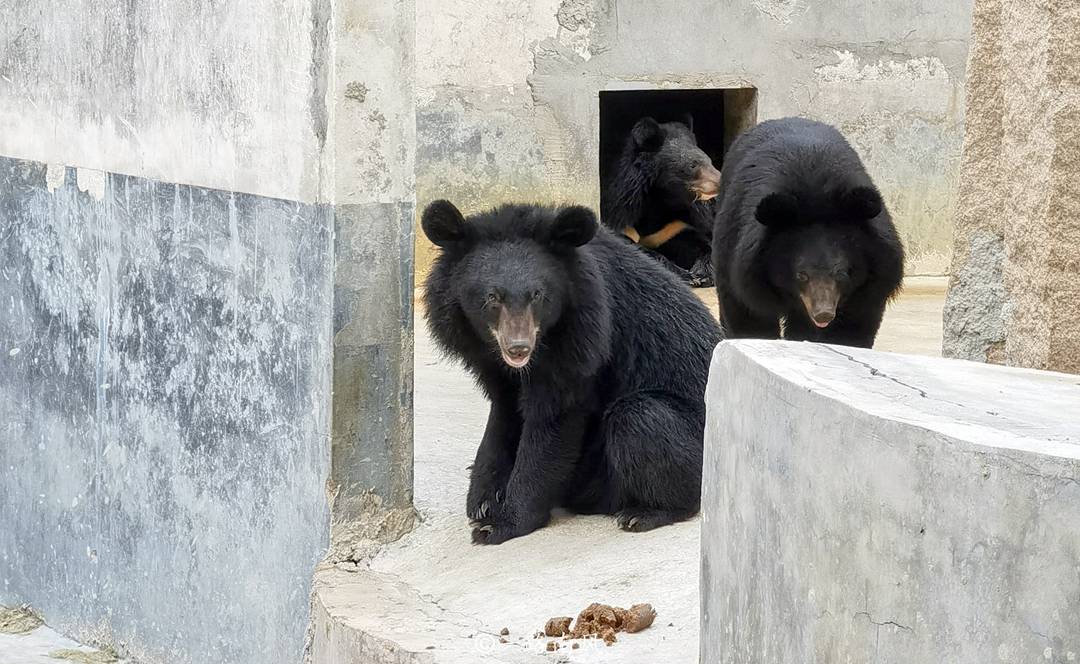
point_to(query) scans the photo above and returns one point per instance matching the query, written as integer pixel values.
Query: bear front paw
(481, 504)
(502, 522)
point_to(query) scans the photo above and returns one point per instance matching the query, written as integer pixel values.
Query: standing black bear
(802, 235)
(594, 359)
(659, 195)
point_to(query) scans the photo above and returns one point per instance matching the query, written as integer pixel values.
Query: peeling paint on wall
(781, 11)
(849, 68)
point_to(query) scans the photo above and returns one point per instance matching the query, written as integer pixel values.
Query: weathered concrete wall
(1014, 296)
(872, 507)
(375, 153)
(189, 347)
(164, 398)
(508, 92)
(227, 95)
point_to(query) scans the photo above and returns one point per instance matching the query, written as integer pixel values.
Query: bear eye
(802, 277)
(537, 295)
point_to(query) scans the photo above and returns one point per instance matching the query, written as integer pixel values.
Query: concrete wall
(164, 387)
(507, 92)
(873, 507)
(227, 95)
(374, 159)
(1014, 296)
(205, 225)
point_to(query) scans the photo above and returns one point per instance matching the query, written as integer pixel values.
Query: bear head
(679, 171)
(505, 271)
(815, 245)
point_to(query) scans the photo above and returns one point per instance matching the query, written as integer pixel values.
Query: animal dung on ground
(558, 626)
(601, 621)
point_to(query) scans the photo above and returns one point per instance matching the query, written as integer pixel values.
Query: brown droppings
(576, 646)
(600, 621)
(505, 631)
(639, 617)
(552, 646)
(558, 626)
(503, 640)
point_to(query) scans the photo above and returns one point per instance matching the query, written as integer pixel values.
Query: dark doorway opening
(720, 115)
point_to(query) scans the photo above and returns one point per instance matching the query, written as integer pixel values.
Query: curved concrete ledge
(862, 506)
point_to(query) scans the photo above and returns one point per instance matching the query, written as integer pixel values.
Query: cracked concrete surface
(434, 597)
(888, 508)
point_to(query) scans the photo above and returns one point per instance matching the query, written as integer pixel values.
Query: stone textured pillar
(1014, 297)
(374, 137)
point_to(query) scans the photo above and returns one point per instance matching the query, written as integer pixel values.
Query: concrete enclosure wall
(873, 507)
(164, 390)
(1014, 297)
(507, 92)
(205, 224)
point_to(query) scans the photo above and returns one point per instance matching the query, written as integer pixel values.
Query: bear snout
(516, 336)
(820, 298)
(706, 182)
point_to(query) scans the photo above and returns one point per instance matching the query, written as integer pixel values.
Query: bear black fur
(594, 359)
(802, 235)
(660, 195)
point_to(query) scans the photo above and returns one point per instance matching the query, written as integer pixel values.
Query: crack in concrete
(885, 623)
(875, 372)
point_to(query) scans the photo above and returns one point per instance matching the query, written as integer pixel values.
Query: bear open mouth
(516, 362)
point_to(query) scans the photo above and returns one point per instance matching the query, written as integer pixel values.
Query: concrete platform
(863, 506)
(433, 597)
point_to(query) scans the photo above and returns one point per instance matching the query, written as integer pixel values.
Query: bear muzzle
(706, 183)
(820, 297)
(516, 336)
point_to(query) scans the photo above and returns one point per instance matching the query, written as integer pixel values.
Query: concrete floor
(35, 646)
(446, 600)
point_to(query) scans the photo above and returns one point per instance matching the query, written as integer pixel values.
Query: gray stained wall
(164, 391)
(205, 225)
(508, 105)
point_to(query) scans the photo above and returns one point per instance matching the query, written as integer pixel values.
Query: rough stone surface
(373, 409)
(164, 394)
(507, 92)
(1018, 222)
(863, 506)
(374, 142)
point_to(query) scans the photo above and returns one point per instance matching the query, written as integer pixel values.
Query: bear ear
(443, 223)
(862, 203)
(688, 120)
(777, 209)
(648, 136)
(573, 227)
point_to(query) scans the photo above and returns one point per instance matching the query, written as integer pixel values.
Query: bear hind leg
(653, 444)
